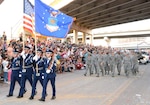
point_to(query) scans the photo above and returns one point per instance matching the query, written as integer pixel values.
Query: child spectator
(79, 63)
(70, 67)
(62, 65)
(5, 64)
(1, 69)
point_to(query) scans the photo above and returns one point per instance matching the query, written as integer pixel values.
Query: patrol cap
(39, 50)
(15, 51)
(26, 47)
(49, 51)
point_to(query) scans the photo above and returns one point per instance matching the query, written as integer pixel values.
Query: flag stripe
(27, 18)
(28, 29)
(28, 24)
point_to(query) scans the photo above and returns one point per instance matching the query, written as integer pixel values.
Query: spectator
(1, 68)
(5, 64)
(4, 36)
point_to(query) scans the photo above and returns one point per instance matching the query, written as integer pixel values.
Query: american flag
(28, 21)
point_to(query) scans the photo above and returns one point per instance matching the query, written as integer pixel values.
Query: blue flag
(51, 22)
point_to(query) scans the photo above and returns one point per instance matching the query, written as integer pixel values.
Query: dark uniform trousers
(27, 72)
(15, 75)
(49, 77)
(38, 75)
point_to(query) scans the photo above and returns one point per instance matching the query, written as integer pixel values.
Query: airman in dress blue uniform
(27, 70)
(49, 75)
(16, 71)
(39, 71)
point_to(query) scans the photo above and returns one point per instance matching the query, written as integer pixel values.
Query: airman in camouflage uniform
(127, 64)
(135, 63)
(94, 61)
(101, 63)
(112, 63)
(106, 59)
(119, 59)
(88, 64)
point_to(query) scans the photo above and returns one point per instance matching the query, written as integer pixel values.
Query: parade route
(73, 88)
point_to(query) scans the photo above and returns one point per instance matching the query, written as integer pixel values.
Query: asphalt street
(73, 88)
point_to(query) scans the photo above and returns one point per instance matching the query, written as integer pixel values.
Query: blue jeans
(5, 76)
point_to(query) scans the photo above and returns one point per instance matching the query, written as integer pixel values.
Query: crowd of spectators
(69, 57)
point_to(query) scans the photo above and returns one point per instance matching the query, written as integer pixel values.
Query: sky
(11, 17)
(11, 14)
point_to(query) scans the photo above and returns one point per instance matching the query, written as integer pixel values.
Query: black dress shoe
(46, 94)
(9, 95)
(31, 98)
(35, 92)
(53, 97)
(41, 99)
(24, 91)
(19, 96)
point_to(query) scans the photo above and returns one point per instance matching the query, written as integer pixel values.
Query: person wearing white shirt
(5, 63)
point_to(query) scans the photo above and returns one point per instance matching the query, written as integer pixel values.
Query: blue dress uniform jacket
(27, 71)
(16, 68)
(39, 70)
(49, 76)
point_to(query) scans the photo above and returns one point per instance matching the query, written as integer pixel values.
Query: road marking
(116, 93)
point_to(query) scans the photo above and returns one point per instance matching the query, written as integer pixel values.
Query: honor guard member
(27, 69)
(39, 71)
(16, 68)
(50, 74)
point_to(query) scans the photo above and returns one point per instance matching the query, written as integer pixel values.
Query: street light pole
(15, 27)
(11, 32)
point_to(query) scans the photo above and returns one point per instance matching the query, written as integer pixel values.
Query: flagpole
(23, 34)
(23, 46)
(33, 16)
(36, 52)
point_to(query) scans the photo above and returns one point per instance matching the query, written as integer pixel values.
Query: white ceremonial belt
(16, 68)
(41, 68)
(26, 67)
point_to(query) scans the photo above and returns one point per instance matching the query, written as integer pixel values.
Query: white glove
(23, 56)
(35, 58)
(22, 53)
(48, 71)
